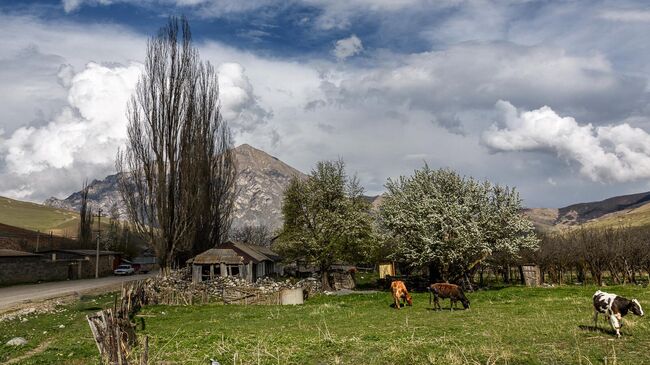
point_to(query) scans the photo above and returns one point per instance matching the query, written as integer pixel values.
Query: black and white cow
(614, 307)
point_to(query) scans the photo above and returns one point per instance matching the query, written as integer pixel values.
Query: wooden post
(144, 357)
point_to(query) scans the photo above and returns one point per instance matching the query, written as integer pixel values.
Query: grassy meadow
(512, 325)
(38, 217)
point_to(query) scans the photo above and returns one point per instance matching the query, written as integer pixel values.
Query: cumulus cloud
(88, 130)
(397, 102)
(613, 153)
(474, 75)
(347, 47)
(240, 106)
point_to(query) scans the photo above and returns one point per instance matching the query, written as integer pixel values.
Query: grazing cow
(400, 293)
(614, 307)
(451, 291)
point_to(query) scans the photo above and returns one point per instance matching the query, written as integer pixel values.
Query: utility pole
(38, 238)
(99, 234)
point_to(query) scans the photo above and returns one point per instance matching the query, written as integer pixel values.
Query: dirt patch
(37, 350)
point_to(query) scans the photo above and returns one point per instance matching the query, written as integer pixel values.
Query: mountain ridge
(606, 212)
(261, 181)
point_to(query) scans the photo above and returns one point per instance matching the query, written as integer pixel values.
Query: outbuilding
(108, 260)
(236, 259)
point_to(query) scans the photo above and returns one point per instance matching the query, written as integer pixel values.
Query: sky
(551, 97)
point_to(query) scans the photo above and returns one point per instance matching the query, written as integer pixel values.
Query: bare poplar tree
(213, 165)
(177, 171)
(85, 235)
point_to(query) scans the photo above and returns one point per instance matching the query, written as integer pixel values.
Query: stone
(17, 341)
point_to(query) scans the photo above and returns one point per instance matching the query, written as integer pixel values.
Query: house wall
(107, 263)
(19, 271)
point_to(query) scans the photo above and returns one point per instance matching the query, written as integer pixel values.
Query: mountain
(102, 194)
(37, 217)
(632, 210)
(261, 182)
(583, 212)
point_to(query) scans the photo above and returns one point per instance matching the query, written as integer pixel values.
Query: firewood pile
(177, 288)
(114, 329)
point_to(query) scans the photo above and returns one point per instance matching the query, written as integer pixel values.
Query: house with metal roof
(236, 259)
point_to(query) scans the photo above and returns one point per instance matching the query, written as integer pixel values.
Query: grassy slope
(512, 325)
(38, 217)
(636, 217)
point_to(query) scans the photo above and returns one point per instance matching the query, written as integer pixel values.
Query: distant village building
(144, 264)
(85, 261)
(249, 262)
(18, 267)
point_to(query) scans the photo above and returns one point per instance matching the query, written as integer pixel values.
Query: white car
(124, 270)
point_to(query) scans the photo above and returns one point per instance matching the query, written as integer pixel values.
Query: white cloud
(73, 5)
(474, 75)
(347, 47)
(89, 129)
(371, 113)
(239, 104)
(614, 153)
(636, 15)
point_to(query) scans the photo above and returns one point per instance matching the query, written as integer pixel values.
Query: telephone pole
(99, 234)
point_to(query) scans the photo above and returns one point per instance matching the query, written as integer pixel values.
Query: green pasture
(511, 325)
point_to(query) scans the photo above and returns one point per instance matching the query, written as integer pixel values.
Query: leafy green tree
(451, 223)
(326, 219)
(507, 231)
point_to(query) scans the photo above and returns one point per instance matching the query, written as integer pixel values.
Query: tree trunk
(435, 274)
(580, 274)
(506, 274)
(325, 280)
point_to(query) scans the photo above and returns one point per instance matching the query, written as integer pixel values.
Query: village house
(247, 261)
(85, 261)
(23, 267)
(17, 267)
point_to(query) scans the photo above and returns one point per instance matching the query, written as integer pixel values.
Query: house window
(233, 270)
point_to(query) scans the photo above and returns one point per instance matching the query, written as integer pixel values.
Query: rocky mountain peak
(261, 182)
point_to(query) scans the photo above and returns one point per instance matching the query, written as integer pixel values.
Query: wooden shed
(216, 262)
(263, 261)
(235, 259)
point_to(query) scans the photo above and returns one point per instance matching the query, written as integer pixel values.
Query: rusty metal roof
(258, 253)
(218, 256)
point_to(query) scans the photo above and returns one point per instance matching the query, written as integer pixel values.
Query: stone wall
(31, 271)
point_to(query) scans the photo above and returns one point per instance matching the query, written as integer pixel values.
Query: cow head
(635, 307)
(409, 299)
(465, 302)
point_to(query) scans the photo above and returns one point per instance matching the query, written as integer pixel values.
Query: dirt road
(14, 296)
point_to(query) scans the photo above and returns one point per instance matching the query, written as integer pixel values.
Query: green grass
(512, 325)
(37, 217)
(71, 344)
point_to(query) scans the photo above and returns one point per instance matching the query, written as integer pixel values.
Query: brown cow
(451, 291)
(399, 292)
